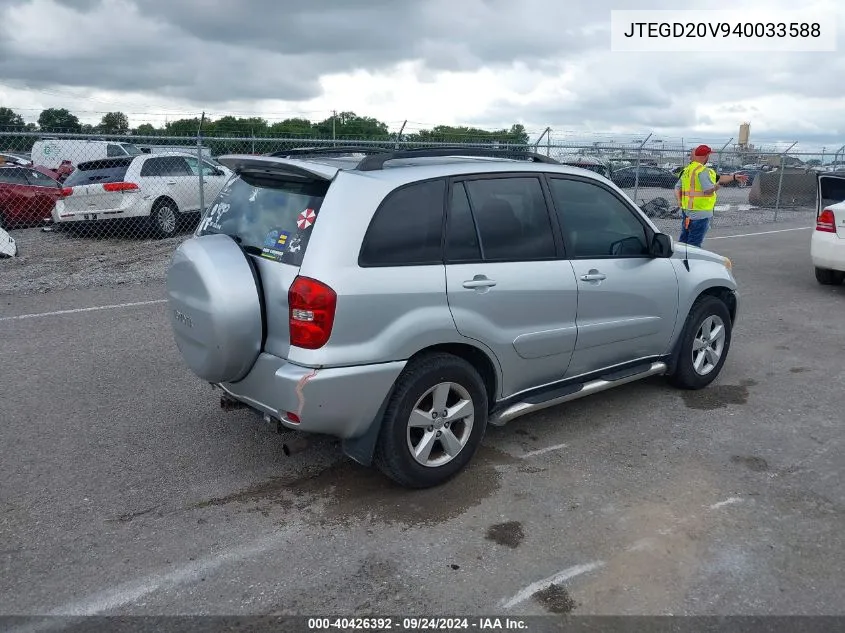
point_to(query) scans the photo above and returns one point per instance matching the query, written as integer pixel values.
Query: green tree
(58, 120)
(349, 125)
(146, 129)
(9, 119)
(234, 126)
(114, 123)
(183, 127)
(292, 127)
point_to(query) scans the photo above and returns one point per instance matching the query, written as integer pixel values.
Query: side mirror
(661, 245)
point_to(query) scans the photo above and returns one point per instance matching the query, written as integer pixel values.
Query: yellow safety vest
(693, 197)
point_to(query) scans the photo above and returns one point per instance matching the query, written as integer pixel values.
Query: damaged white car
(8, 246)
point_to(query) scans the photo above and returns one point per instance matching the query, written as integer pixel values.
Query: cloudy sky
(489, 63)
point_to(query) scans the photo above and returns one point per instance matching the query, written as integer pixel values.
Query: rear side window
(266, 215)
(40, 180)
(13, 177)
(165, 166)
(97, 172)
(512, 218)
(407, 229)
(114, 150)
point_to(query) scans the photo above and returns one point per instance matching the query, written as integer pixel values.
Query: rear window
(98, 171)
(266, 215)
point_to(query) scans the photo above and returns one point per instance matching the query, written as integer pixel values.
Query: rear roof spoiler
(277, 166)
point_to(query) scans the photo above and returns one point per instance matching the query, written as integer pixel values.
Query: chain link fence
(92, 210)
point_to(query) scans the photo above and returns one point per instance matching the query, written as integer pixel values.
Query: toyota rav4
(403, 300)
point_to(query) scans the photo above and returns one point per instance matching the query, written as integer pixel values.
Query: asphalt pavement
(125, 489)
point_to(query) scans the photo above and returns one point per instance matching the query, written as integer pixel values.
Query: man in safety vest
(695, 192)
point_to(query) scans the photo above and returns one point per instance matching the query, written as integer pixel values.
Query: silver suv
(402, 301)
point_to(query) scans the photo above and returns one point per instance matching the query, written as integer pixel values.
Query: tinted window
(595, 222)
(268, 216)
(114, 150)
(461, 236)
(98, 171)
(165, 166)
(13, 177)
(40, 180)
(407, 227)
(512, 218)
(131, 149)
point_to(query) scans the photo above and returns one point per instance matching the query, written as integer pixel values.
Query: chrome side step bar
(587, 389)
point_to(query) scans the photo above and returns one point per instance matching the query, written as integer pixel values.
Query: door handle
(171, 182)
(479, 281)
(593, 275)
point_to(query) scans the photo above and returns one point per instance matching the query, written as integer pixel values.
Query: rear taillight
(311, 307)
(67, 191)
(120, 186)
(826, 222)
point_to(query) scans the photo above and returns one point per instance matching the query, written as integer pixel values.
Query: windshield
(266, 215)
(131, 149)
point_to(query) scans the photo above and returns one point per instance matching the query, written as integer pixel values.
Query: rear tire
(829, 277)
(437, 381)
(704, 345)
(164, 219)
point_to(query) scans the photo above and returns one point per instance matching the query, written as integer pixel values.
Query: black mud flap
(362, 448)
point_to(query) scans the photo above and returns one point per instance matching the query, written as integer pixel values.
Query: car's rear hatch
(831, 193)
(270, 211)
(97, 186)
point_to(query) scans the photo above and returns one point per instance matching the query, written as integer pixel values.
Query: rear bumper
(827, 250)
(341, 402)
(135, 209)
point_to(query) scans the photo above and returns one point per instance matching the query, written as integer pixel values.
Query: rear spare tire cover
(215, 308)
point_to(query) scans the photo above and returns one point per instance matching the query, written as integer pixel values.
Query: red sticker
(306, 218)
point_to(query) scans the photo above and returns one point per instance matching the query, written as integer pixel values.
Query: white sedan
(827, 246)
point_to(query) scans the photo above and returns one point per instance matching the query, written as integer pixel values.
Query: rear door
(627, 299)
(831, 191)
(171, 176)
(90, 191)
(213, 178)
(508, 285)
(271, 216)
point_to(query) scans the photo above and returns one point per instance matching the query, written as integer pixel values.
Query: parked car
(648, 177)
(8, 245)
(404, 301)
(827, 245)
(592, 165)
(27, 196)
(52, 153)
(162, 188)
(8, 158)
(751, 173)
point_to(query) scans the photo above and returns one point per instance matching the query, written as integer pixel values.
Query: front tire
(704, 344)
(829, 277)
(434, 423)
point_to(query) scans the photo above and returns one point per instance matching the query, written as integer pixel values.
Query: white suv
(161, 187)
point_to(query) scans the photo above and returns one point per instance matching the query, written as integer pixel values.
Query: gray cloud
(214, 52)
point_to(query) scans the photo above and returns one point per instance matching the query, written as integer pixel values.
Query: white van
(50, 153)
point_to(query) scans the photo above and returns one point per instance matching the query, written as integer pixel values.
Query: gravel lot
(126, 490)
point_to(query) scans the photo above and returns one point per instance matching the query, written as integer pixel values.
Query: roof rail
(339, 149)
(373, 163)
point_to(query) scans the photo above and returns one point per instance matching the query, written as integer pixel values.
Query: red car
(27, 196)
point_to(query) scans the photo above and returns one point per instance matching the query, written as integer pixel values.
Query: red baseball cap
(702, 150)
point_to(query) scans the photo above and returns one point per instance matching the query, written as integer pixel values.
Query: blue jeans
(695, 232)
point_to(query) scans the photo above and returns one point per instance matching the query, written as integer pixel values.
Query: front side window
(595, 223)
(166, 166)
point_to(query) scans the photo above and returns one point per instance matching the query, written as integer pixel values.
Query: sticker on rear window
(306, 219)
(274, 245)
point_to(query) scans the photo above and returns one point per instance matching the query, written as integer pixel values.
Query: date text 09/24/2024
(417, 624)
